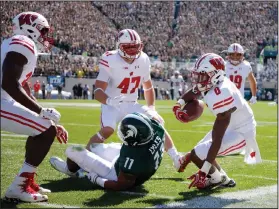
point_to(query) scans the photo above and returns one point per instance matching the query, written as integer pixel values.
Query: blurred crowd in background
(174, 33)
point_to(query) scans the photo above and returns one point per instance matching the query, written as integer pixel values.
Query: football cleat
(181, 162)
(61, 166)
(21, 190)
(230, 183)
(37, 188)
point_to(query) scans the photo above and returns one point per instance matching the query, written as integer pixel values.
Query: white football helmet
(208, 72)
(235, 53)
(34, 26)
(129, 44)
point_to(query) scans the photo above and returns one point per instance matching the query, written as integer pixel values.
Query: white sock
(172, 152)
(27, 168)
(227, 177)
(215, 177)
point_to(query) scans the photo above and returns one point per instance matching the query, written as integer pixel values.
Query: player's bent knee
(76, 153)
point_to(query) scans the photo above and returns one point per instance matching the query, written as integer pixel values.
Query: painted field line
(257, 177)
(149, 194)
(258, 197)
(50, 205)
(268, 161)
(14, 135)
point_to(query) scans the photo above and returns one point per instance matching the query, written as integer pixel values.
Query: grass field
(166, 186)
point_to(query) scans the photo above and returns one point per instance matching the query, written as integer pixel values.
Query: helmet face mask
(135, 129)
(129, 44)
(34, 26)
(235, 54)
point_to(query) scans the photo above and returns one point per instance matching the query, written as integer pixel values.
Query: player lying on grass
(20, 112)
(234, 126)
(120, 167)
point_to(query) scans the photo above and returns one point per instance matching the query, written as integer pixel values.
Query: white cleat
(61, 166)
(21, 190)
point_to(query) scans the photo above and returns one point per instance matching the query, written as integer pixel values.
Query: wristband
(181, 102)
(148, 89)
(98, 89)
(206, 167)
(100, 181)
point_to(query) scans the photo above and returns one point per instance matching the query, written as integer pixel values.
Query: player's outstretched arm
(219, 128)
(12, 70)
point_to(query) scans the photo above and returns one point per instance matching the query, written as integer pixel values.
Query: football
(194, 109)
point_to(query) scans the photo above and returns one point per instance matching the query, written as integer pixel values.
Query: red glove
(198, 180)
(180, 114)
(61, 134)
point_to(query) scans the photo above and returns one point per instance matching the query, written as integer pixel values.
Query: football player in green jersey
(120, 167)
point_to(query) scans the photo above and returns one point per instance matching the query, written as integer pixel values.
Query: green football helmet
(135, 129)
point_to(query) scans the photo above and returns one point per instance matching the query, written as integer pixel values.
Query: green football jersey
(142, 161)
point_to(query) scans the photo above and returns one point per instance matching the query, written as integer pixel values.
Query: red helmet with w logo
(208, 72)
(129, 44)
(35, 26)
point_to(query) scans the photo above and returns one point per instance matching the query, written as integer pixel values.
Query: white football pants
(18, 119)
(100, 160)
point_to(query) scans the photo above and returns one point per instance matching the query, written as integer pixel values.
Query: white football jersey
(122, 77)
(225, 96)
(25, 46)
(177, 82)
(238, 74)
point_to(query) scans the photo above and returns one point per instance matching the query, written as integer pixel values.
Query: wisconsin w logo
(27, 19)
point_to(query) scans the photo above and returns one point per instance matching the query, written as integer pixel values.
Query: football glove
(198, 180)
(180, 114)
(61, 134)
(51, 114)
(116, 101)
(253, 100)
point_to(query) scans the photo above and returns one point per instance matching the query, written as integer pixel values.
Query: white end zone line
(258, 197)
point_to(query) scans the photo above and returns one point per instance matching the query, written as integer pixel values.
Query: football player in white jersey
(20, 113)
(121, 73)
(177, 83)
(234, 126)
(238, 70)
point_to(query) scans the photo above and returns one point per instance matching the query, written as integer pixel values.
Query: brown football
(194, 109)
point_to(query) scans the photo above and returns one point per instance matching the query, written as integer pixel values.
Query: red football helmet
(208, 72)
(129, 44)
(35, 26)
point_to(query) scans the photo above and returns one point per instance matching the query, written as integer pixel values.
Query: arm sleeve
(146, 76)
(104, 69)
(23, 47)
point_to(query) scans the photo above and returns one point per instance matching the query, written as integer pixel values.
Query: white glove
(116, 101)
(51, 114)
(92, 176)
(253, 100)
(152, 113)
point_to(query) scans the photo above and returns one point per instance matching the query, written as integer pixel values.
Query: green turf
(166, 185)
